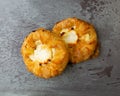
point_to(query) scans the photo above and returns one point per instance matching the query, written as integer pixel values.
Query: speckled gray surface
(96, 77)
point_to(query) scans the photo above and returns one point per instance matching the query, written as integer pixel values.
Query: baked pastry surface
(44, 53)
(81, 38)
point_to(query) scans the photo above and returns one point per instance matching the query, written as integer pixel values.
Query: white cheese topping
(69, 37)
(42, 53)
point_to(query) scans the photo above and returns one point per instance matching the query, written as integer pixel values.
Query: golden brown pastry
(44, 53)
(80, 37)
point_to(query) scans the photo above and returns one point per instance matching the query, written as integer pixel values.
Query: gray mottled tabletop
(96, 77)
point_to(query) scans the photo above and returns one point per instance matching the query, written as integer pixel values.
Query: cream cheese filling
(70, 37)
(42, 53)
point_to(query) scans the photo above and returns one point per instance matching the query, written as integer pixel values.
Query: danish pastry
(44, 53)
(80, 36)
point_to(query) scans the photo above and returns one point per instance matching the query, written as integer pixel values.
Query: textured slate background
(96, 77)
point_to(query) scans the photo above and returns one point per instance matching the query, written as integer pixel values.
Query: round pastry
(80, 36)
(44, 53)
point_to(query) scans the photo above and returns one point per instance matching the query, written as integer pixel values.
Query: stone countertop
(96, 77)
